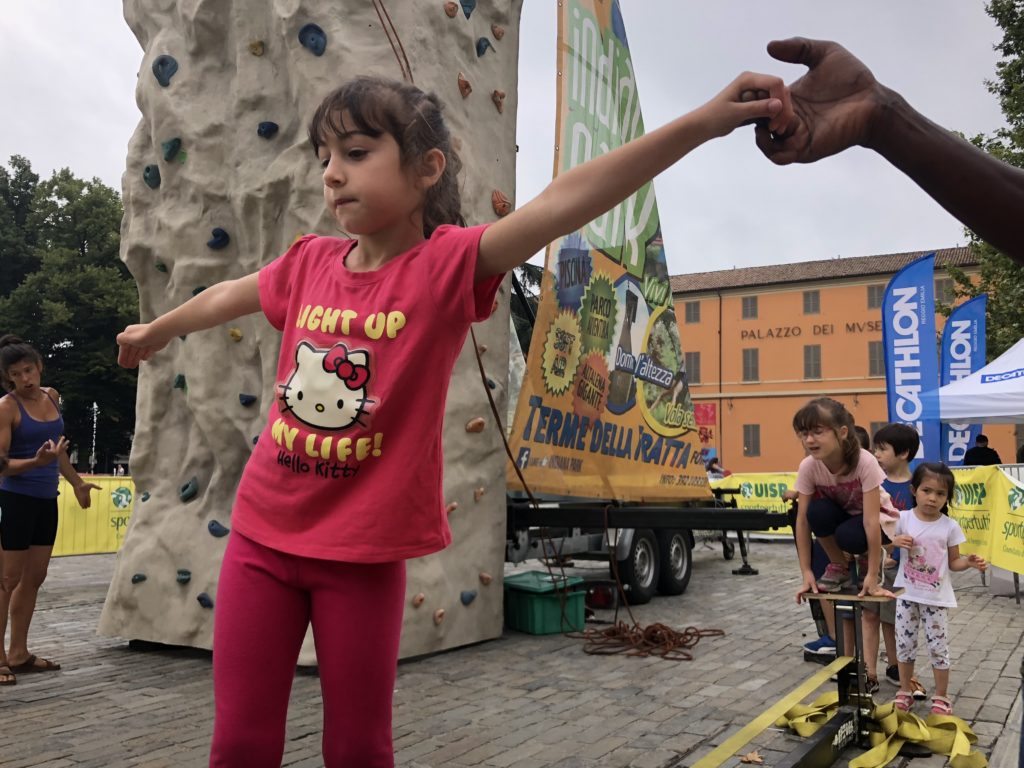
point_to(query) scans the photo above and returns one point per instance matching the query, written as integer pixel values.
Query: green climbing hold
(205, 600)
(160, 266)
(195, 292)
(171, 148)
(138, 578)
(189, 490)
(179, 381)
(145, 496)
(216, 529)
(151, 175)
(184, 576)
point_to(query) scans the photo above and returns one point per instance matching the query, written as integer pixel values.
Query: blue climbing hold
(184, 576)
(189, 490)
(491, 384)
(219, 240)
(138, 578)
(205, 600)
(151, 175)
(482, 45)
(179, 381)
(195, 292)
(164, 68)
(467, 596)
(171, 148)
(216, 529)
(246, 400)
(160, 266)
(313, 38)
(145, 496)
(255, 439)
(468, 6)
(267, 130)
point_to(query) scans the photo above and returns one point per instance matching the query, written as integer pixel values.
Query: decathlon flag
(605, 408)
(963, 352)
(911, 363)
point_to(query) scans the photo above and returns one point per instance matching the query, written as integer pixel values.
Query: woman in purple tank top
(34, 455)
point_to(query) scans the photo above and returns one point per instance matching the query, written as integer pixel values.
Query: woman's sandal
(7, 676)
(904, 701)
(35, 664)
(941, 706)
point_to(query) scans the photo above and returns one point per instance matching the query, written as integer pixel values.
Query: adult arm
(78, 485)
(838, 104)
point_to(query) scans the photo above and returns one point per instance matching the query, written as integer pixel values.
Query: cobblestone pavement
(516, 702)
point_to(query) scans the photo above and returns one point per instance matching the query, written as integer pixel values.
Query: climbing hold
(184, 576)
(468, 6)
(255, 439)
(138, 578)
(464, 87)
(196, 291)
(417, 601)
(500, 203)
(144, 496)
(151, 175)
(479, 493)
(498, 31)
(204, 600)
(179, 381)
(439, 616)
(235, 334)
(485, 578)
(219, 240)
(491, 384)
(267, 129)
(256, 47)
(451, 507)
(482, 348)
(160, 266)
(189, 490)
(246, 400)
(216, 529)
(451, 9)
(476, 425)
(498, 97)
(482, 44)
(164, 68)
(467, 596)
(494, 307)
(171, 148)
(312, 37)
(182, 155)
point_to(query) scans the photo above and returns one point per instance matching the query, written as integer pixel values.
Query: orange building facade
(761, 341)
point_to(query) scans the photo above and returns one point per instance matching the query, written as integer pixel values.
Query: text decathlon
(989, 378)
(961, 352)
(906, 357)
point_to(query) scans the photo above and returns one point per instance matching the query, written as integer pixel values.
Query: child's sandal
(919, 692)
(941, 706)
(904, 701)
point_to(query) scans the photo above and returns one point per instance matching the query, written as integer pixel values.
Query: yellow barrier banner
(974, 505)
(760, 491)
(100, 528)
(1006, 533)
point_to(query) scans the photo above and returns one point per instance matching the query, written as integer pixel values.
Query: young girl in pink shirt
(372, 325)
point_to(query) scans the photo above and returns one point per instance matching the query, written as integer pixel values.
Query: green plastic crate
(533, 604)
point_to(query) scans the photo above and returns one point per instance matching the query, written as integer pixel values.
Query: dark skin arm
(838, 104)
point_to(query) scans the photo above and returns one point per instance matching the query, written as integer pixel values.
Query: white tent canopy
(993, 394)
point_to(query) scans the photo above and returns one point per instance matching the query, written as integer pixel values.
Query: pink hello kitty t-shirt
(349, 465)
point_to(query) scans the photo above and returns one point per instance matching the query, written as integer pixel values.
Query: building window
(944, 291)
(692, 360)
(750, 307)
(876, 295)
(751, 439)
(693, 311)
(876, 359)
(812, 302)
(812, 361)
(750, 365)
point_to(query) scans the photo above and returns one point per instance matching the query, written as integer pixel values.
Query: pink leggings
(265, 601)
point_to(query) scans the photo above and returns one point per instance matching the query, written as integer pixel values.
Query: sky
(67, 91)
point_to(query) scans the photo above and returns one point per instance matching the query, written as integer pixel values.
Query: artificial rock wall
(220, 179)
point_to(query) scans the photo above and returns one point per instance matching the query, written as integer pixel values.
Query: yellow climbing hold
(235, 334)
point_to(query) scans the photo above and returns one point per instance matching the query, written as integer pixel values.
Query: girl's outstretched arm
(585, 192)
(217, 304)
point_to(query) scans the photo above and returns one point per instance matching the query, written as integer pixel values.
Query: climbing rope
(396, 42)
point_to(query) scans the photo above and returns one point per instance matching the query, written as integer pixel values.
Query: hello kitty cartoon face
(327, 390)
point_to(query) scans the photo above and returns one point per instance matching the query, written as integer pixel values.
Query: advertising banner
(911, 365)
(605, 408)
(963, 353)
(760, 490)
(101, 527)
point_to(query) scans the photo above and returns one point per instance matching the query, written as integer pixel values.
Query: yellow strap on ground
(732, 745)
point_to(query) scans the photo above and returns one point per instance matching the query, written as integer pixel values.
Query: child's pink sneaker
(835, 579)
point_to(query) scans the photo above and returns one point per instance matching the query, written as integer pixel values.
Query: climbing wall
(220, 180)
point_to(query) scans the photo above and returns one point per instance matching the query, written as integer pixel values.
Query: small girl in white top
(931, 549)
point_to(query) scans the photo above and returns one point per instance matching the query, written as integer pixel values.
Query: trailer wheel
(676, 562)
(728, 548)
(639, 571)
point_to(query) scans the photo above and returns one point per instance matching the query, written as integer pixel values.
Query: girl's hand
(872, 588)
(809, 584)
(749, 98)
(903, 540)
(137, 343)
(977, 561)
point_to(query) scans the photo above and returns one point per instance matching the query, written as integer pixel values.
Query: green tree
(17, 195)
(73, 299)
